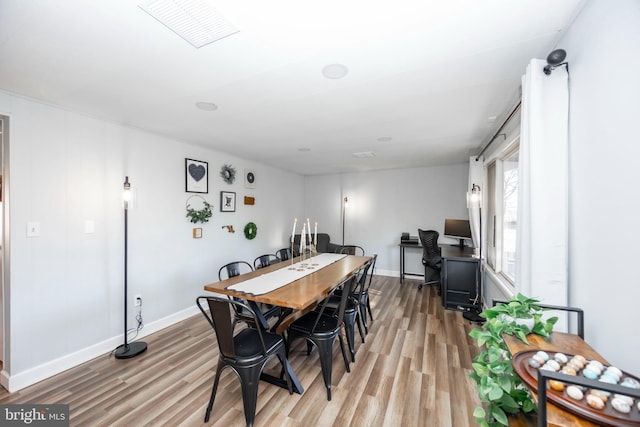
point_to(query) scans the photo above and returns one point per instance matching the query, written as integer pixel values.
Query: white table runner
(279, 278)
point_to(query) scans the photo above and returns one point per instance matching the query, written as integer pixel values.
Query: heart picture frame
(196, 176)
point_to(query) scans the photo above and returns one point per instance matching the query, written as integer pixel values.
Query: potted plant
(499, 387)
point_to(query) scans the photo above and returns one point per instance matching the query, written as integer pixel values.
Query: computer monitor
(458, 229)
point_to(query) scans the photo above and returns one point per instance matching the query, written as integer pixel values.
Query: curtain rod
(507, 120)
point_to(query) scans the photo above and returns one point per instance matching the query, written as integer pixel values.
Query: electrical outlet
(137, 301)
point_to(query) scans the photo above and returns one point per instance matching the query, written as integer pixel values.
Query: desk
(299, 296)
(557, 342)
(460, 277)
(403, 246)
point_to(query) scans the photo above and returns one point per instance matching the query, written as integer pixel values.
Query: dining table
(296, 285)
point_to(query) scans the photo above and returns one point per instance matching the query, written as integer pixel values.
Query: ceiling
(428, 82)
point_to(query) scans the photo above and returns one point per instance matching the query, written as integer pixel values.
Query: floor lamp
(127, 350)
(474, 314)
(345, 203)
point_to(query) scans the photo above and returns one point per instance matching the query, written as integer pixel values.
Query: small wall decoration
(229, 228)
(250, 231)
(197, 233)
(249, 178)
(196, 176)
(227, 201)
(248, 200)
(199, 215)
(228, 173)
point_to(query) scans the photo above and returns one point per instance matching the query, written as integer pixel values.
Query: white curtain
(476, 173)
(542, 230)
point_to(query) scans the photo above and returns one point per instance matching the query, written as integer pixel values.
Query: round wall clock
(249, 178)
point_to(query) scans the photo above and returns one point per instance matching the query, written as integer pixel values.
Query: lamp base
(130, 350)
(473, 317)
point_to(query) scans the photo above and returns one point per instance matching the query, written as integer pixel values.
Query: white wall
(66, 290)
(602, 49)
(383, 204)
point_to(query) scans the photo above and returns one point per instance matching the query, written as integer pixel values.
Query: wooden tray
(606, 417)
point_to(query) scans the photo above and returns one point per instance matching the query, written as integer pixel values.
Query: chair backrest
(347, 286)
(351, 250)
(265, 261)
(220, 319)
(284, 254)
(371, 268)
(234, 269)
(430, 250)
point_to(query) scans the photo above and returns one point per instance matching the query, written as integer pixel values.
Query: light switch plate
(89, 226)
(33, 229)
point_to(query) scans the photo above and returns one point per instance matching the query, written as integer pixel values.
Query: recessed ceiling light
(195, 21)
(491, 119)
(335, 71)
(304, 149)
(364, 154)
(385, 139)
(206, 106)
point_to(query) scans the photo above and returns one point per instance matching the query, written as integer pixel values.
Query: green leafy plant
(199, 215)
(500, 389)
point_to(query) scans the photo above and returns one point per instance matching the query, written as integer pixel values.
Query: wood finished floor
(411, 371)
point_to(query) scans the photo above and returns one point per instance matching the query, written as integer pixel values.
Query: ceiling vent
(364, 154)
(193, 20)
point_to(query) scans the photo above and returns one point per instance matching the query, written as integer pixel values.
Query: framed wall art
(249, 178)
(196, 176)
(227, 201)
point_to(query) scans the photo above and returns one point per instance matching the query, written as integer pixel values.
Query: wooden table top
(301, 294)
(557, 342)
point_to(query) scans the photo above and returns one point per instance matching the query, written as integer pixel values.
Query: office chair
(431, 258)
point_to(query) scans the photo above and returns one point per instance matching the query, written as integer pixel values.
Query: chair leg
(249, 379)
(349, 327)
(325, 347)
(369, 309)
(358, 319)
(344, 353)
(219, 369)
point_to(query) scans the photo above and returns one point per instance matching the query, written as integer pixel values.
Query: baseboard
(388, 273)
(36, 374)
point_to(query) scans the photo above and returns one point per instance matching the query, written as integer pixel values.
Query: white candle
(309, 231)
(293, 232)
(303, 238)
(315, 237)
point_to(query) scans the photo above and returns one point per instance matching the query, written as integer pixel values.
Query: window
(502, 213)
(509, 214)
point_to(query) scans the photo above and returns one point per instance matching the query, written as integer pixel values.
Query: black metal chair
(263, 311)
(363, 297)
(431, 258)
(265, 261)
(352, 309)
(350, 250)
(284, 254)
(321, 330)
(246, 352)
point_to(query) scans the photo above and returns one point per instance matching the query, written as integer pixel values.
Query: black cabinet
(460, 278)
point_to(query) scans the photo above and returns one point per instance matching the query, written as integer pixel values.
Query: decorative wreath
(228, 173)
(250, 231)
(199, 215)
